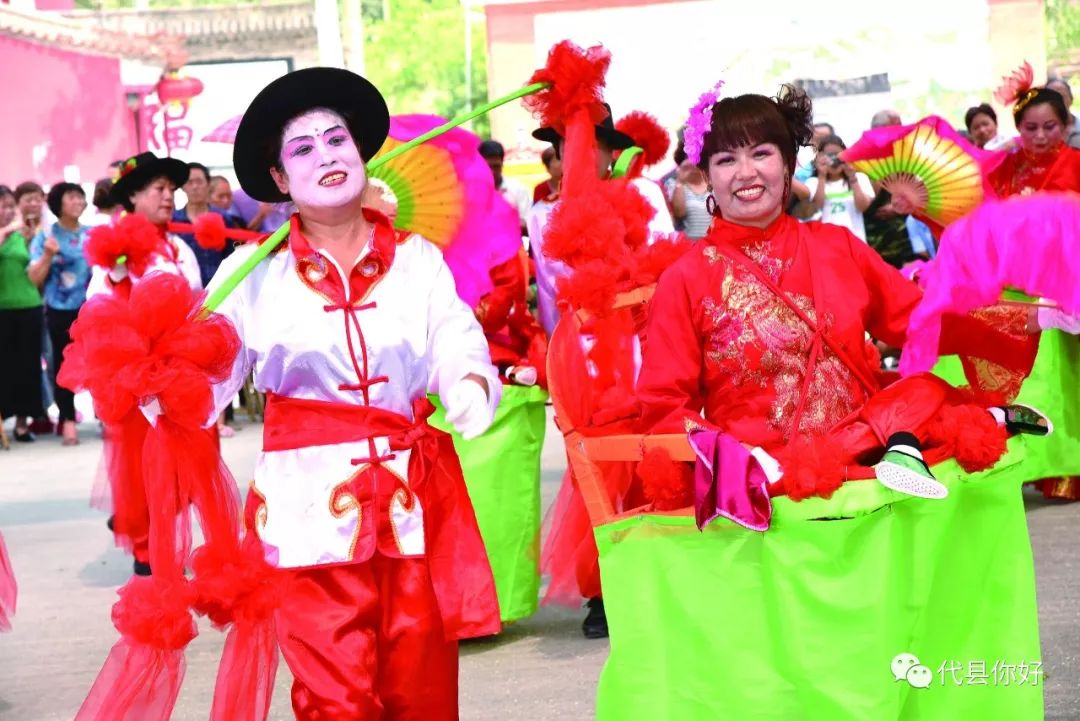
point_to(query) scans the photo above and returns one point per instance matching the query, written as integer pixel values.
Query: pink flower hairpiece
(699, 123)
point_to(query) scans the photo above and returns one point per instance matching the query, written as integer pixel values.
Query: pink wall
(55, 4)
(69, 106)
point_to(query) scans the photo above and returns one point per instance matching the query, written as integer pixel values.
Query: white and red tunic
(395, 331)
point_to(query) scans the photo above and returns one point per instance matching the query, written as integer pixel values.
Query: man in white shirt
(548, 271)
(515, 193)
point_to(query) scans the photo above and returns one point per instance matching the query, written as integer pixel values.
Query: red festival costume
(760, 372)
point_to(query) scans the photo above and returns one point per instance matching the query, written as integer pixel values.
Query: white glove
(118, 273)
(467, 409)
(1057, 319)
(151, 409)
(770, 465)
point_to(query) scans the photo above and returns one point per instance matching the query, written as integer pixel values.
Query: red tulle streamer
(137, 683)
(8, 588)
(577, 78)
(647, 134)
(155, 344)
(245, 680)
(133, 236)
(236, 586)
(141, 677)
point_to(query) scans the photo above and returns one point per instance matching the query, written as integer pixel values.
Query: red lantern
(173, 89)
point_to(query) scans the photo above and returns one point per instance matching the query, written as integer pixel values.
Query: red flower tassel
(141, 678)
(238, 587)
(133, 237)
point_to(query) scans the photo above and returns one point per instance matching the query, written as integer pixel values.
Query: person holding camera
(837, 190)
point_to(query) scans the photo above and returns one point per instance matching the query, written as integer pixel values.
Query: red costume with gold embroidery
(1022, 173)
(732, 350)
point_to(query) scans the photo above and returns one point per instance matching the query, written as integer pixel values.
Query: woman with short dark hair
(59, 268)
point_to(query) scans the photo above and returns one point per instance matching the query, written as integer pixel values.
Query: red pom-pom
(669, 485)
(123, 350)
(132, 237)
(155, 614)
(141, 239)
(577, 78)
(647, 134)
(103, 246)
(234, 584)
(210, 231)
(976, 439)
(812, 467)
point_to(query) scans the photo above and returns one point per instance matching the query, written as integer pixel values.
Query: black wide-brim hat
(258, 137)
(605, 130)
(137, 172)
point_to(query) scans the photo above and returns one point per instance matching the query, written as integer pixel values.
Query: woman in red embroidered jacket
(760, 332)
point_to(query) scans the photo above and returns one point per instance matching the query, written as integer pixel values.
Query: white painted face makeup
(321, 161)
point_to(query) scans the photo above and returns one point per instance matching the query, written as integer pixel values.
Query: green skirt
(803, 622)
(1054, 388)
(502, 472)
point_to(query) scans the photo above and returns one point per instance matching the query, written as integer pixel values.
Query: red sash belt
(291, 423)
(460, 572)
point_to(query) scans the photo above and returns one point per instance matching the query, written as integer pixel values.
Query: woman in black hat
(548, 271)
(355, 498)
(145, 186)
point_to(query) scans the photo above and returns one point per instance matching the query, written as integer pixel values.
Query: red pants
(365, 643)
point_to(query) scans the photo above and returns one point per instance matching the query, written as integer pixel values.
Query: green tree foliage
(416, 55)
(1062, 28)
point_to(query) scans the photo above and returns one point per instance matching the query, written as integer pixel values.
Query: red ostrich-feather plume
(577, 79)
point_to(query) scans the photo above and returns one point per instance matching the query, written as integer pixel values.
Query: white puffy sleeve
(235, 308)
(456, 344)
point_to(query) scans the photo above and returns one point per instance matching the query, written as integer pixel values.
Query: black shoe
(111, 523)
(24, 436)
(595, 624)
(1025, 419)
(141, 569)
